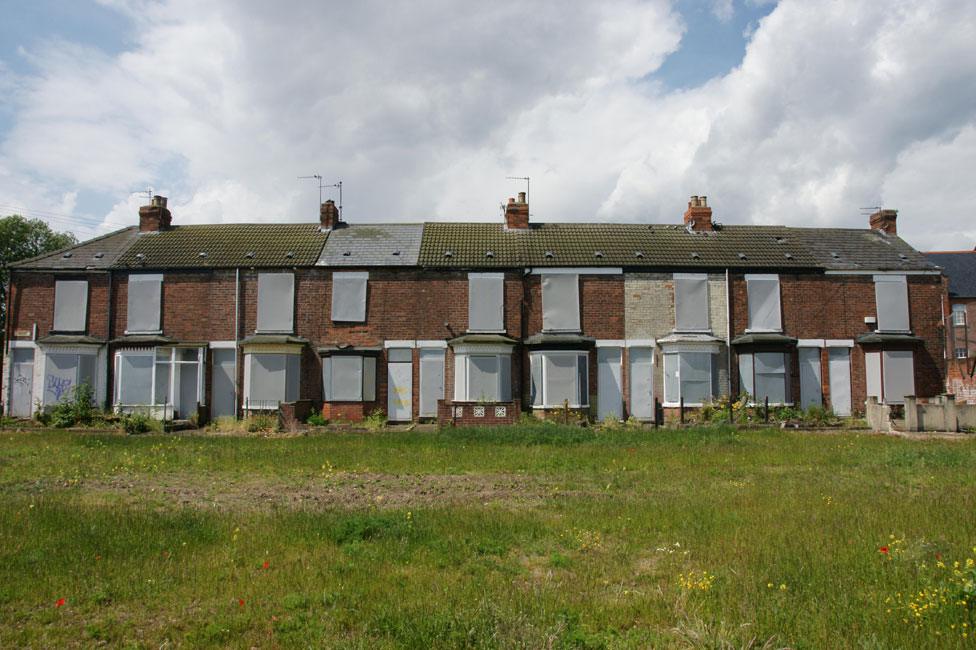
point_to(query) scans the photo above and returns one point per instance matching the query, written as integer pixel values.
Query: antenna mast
(527, 186)
(319, 179)
(339, 185)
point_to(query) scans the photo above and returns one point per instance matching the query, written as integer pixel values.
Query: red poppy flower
(59, 603)
(883, 549)
(266, 565)
(240, 602)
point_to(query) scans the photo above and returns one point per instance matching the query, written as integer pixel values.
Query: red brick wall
(833, 307)
(962, 336)
(32, 301)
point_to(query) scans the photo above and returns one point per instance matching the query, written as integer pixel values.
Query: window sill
(143, 332)
(478, 331)
(560, 406)
(674, 405)
(750, 330)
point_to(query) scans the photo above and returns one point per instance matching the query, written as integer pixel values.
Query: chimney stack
(154, 217)
(885, 221)
(517, 213)
(698, 216)
(328, 215)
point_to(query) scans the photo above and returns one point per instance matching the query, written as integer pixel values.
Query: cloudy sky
(794, 112)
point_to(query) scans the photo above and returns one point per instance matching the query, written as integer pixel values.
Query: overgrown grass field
(536, 536)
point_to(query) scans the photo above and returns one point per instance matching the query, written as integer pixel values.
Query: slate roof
(960, 268)
(99, 253)
(852, 249)
(373, 245)
(259, 245)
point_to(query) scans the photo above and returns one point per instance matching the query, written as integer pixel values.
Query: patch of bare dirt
(335, 491)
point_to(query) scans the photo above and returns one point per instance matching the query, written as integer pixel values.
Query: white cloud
(723, 10)
(423, 109)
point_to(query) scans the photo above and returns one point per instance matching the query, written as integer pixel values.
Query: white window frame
(959, 315)
(462, 374)
(962, 353)
(173, 362)
(540, 356)
(670, 356)
(248, 360)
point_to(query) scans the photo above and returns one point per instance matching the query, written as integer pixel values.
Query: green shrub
(77, 410)
(261, 423)
(316, 420)
(136, 423)
(375, 420)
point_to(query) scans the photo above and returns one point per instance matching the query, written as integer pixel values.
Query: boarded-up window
(746, 383)
(687, 375)
(560, 302)
(891, 293)
(64, 373)
(276, 302)
(70, 305)
(273, 379)
(811, 393)
(764, 306)
(483, 374)
(899, 375)
(770, 368)
(560, 377)
(348, 378)
(349, 297)
(486, 302)
(690, 302)
(134, 378)
(872, 370)
(143, 303)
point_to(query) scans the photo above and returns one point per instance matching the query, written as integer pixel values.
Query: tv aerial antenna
(321, 185)
(148, 192)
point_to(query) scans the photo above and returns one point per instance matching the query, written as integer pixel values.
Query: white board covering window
(872, 371)
(486, 302)
(899, 375)
(134, 377)
(764, 374)
(560, 378)
(276, 302)
(349, 297)
(483, 377)
(764, 304)
(560, 302)
(63, 373)
(273, 378)
(143, 303)
(688, 376)
(891, 294)
(691, 302)
(70, 305)
(349, 378)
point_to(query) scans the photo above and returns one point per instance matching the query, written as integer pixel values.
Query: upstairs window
(349, 297)
(891, 294)
(70, 305)
(486, 302)
(764, 306)
(144, 299)
(691, 302)
(959, 315)
(349, 378)
(560, 378)
(560, 302)
(276, 302)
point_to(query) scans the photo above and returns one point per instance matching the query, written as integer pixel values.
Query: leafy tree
(21, 238)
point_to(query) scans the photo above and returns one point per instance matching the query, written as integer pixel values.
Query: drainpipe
(728, 331)
(238, 357)
(109, 379)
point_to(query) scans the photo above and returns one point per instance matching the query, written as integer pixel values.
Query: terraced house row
(474, 322)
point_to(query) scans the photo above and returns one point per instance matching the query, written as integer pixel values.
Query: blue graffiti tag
(58, 386)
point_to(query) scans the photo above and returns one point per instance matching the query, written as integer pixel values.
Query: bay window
(559, 378)
(483, 377)
(64, 372)
(349, 378)
(688, 375)
(765, 375)
(270, 378)
(169, 378)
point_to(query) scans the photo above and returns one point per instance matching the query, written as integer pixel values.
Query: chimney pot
(698, 216)
(517, 213)
(884, 220)
(155, 216)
